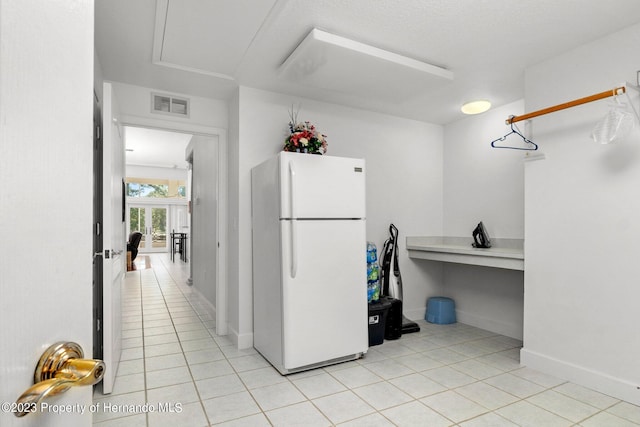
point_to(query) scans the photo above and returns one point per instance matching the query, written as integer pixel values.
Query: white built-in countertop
(503, 253)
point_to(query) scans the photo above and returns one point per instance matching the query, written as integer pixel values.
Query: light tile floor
(442, 376)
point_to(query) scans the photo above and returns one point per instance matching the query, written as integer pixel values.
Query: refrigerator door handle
(294, 248)
(294, 226)
(292, 190)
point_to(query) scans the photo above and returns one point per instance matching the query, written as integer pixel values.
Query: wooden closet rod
(606, 94)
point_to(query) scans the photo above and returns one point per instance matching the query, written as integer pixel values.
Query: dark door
(97, 229)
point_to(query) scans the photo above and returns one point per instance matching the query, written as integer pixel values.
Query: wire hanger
(514, 130)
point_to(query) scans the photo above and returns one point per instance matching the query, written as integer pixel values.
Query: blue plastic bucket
(440, 310)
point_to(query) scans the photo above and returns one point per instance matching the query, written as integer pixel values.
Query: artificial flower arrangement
(304, 137)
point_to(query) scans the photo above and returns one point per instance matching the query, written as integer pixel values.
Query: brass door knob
(61, 366)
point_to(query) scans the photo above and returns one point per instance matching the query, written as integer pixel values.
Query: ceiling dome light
(476, 107)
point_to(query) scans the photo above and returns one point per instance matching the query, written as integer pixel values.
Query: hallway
(445, 375)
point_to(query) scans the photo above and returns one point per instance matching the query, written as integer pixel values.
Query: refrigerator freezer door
(315, 186)
(324, 304)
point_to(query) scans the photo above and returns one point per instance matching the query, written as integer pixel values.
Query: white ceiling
(209, 47)
(157, 148)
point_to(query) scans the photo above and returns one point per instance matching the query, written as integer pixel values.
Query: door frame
(221, 306)
(114, 241)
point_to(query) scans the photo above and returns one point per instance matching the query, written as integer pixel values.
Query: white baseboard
(220, 329)
(206, 301)
(598, 381)
(492, 325)
(415, 314)
(202, 298)
(503, 328)
(241, 341)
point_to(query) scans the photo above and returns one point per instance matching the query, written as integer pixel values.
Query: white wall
(486, 184)
(238, 306)
(404, 183)
(136, 101)
(204, 205)
(482, 183)
(98, 78)
(582, 211)
(234, 290)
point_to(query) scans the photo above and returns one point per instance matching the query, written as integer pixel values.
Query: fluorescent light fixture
(476, 107)
(347, 67)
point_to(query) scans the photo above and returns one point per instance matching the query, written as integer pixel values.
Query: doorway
(151, 221)
(179, 216)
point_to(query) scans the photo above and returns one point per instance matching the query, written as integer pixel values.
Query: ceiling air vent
(168, 104)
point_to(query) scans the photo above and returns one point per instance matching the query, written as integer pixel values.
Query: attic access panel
(335, 63)
(204, 36)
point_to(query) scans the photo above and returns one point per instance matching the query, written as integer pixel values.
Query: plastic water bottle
(373, 287)
(372, 252)
(373, 284)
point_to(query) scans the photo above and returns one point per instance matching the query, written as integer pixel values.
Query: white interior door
(46, 202)
(114, 253)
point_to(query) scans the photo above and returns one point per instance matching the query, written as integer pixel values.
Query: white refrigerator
(309, 260)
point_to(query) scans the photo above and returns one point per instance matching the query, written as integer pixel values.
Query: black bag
(393, 325)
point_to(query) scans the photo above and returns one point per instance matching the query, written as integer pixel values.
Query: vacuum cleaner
(391, 279)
